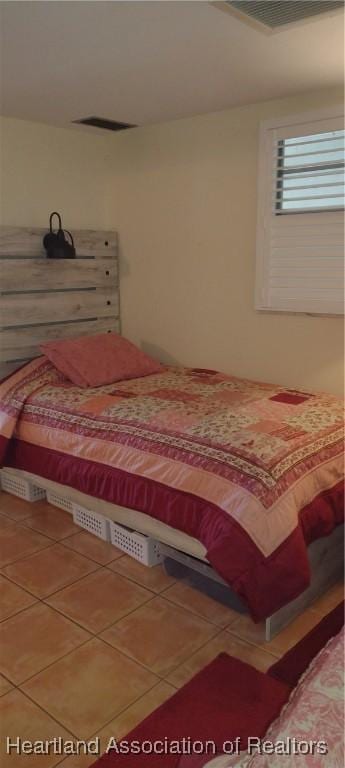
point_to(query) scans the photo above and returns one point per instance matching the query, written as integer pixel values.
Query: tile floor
(91, 641)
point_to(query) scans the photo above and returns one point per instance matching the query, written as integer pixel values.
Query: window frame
(266, 188)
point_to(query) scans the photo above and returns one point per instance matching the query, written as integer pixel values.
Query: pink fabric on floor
(314, 715)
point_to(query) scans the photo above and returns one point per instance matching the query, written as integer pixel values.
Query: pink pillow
(91, 361)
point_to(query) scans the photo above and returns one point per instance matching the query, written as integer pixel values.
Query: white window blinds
(300, 240)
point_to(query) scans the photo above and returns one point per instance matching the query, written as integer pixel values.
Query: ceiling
(148, 62)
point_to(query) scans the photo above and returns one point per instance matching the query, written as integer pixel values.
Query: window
(310, 173)
(300, 240)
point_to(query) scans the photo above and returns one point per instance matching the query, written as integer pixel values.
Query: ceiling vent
(102, 122)
(273, 15)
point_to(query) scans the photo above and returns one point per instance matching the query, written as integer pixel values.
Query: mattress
(250, 470)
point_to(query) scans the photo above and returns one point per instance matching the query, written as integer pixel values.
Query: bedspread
(311, 725)
(252, 470)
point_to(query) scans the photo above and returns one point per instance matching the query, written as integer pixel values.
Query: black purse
(56, 244)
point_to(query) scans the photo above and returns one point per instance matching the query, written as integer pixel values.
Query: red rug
(227, 699)
(291, 666)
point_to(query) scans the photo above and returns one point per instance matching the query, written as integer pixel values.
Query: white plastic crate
(21, 487)
(142, 548)
(60, 501)
(92, 522)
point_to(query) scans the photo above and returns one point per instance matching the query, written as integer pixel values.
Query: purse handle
(71, 237)
(55, 213)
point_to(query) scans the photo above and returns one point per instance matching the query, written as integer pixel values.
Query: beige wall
(43, 168)
(183, 198)
(185, 205)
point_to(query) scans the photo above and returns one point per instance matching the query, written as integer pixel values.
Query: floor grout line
(189, 611)
(21, 521)
(134, 581)
(88, 639)
(27, 557)
(51, 664)
(8, 680)
(33, 701)
(95, 633)
(70, 549)
(92, 636)
(195, 613)
(42, 599)
(148, 669)
(118, 714)
(255, 645)
(21, 610)
(44, 533)
(173, 669)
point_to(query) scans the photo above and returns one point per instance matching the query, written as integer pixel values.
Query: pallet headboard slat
(76, 273)
(26, 242)
(42, 299)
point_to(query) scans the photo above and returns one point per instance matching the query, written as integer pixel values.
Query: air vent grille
(276, 13)
(102, 122)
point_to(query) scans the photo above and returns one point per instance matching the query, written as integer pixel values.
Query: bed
(238, 474)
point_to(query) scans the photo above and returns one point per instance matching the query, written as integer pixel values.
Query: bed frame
(36, 306)
(326, 559)
(189, 563)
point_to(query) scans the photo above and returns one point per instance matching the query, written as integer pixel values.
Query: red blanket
(223, 706)
(251, 470)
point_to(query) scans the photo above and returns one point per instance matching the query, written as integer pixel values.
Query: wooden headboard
(42, 299)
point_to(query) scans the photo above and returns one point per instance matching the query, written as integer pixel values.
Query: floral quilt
(309, 731)
(252, 470)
